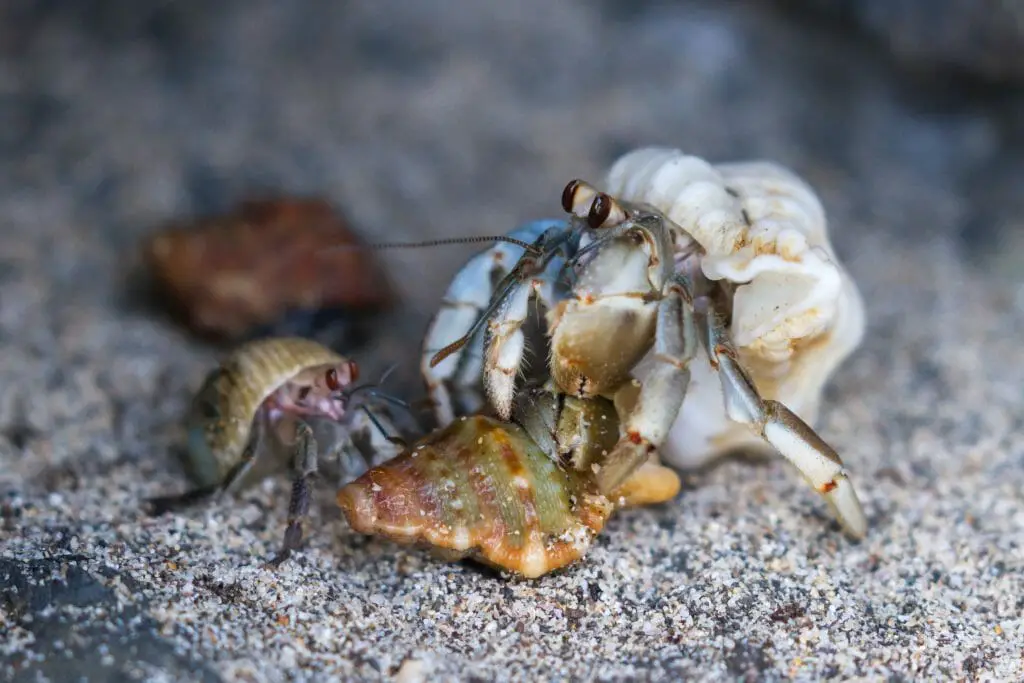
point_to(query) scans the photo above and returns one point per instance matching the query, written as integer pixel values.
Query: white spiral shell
(797, 314)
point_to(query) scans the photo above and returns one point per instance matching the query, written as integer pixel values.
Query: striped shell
(762, 227)
(707, 200)
(484, 489)
(221, 417)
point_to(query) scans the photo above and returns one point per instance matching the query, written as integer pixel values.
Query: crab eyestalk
(483, 489)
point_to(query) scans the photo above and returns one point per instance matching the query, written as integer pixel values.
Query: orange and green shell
(481, 488)
(223, 411)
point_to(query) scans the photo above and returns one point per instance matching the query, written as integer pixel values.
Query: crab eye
(569, 195)
(353, 370)
(599, 211)
(331, 377)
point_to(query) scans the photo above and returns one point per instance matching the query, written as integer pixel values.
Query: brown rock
(226, 275)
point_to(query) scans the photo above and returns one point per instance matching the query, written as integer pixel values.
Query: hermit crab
(705, 299)
(259, 405)
(519, 495)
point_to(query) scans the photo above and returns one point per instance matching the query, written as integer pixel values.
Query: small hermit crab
(719, 273)
(520, 496)
(257, 406)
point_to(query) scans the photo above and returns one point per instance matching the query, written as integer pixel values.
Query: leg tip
(622, 463)
(651, 484)
(847, 508)
(280, 558)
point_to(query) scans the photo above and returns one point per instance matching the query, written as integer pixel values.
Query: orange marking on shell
(828, 487)
(406, 499)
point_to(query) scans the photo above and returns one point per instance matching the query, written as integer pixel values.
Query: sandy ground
(118, 116)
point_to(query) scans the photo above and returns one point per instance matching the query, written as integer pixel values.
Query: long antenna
(437, 243)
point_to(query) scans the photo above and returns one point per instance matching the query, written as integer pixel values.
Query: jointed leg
(453, 349)
(661, 396)
(384, 441)
(298, 507)
(784, 430)
(505, 342)
(383, 444)
(229, 483)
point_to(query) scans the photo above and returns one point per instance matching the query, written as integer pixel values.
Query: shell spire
(484, 489)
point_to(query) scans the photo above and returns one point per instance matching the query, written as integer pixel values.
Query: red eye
(332, 380)
(353, 370)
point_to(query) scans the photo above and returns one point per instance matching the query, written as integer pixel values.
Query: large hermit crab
(706, 299)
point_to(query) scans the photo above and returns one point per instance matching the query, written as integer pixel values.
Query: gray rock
(981, 38)
(81, 629)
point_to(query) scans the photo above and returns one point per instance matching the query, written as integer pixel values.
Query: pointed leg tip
(847, 508)
(622, 463)
(274, 563)
(155, 507)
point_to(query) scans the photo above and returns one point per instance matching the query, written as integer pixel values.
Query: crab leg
(383, 446)
(662, 393)
(505, 341)
(298, 506)
(464, 311)
(793, 438)
(231, 480)
(351, 460)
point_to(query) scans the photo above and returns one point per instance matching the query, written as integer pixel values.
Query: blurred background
(465, 118)
(418, 120)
